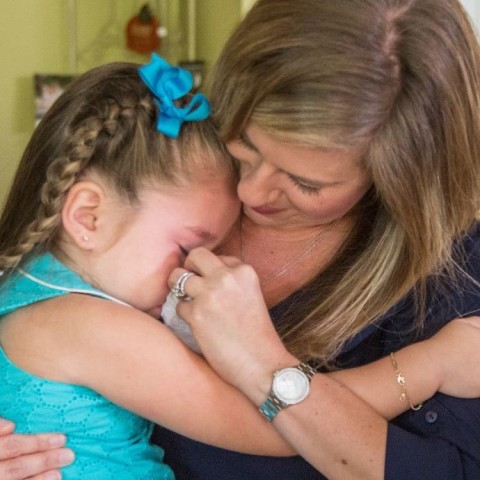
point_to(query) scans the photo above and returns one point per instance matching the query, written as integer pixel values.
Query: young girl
(107, 201)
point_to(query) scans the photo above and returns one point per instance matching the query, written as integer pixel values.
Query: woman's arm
(156, 382)
(231, 323)
(22, 456)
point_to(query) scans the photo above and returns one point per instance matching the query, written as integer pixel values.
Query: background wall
(33, 35)
(473, 8)
(215, 20)
(36, 37)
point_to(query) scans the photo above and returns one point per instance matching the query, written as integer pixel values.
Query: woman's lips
(264, 210)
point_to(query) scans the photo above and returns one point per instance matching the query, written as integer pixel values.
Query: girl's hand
(36, 457)
(457, 347)
(230, 320)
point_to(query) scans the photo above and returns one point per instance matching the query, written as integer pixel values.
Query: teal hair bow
(167, 84)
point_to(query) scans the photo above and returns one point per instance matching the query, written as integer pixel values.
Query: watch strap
(272, 405)
(308, 370)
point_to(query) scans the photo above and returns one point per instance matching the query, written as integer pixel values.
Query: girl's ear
(81, 212)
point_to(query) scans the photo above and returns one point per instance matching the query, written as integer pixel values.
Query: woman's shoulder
(466, 277)
(468, 248)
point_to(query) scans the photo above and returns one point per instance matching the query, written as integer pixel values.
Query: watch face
(290, 385)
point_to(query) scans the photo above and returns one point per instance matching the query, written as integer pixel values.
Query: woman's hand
(36, 457)
(230, 321)
(457, 347)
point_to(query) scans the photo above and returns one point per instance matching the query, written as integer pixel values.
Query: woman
(356, 127)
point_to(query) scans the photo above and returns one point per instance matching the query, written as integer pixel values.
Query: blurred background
(45, 42)
(54, 39)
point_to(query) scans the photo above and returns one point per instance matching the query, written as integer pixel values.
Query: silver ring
(178, 290)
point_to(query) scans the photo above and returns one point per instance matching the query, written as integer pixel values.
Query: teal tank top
(110, 443)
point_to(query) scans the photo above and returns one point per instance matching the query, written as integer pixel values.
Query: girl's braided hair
(104, 121)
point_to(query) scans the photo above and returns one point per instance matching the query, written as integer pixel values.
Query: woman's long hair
(400, 80)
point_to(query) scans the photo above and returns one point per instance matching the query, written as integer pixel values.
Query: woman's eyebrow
(314, 183)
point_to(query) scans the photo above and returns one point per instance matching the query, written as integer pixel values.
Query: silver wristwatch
(289, 386)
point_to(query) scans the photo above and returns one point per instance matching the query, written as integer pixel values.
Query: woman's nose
(257, 184)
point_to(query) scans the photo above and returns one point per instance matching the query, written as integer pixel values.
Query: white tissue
(178, 326)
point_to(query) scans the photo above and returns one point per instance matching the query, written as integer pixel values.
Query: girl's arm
(444, 363)
(27, 456)
(144, 368)
(136, 362)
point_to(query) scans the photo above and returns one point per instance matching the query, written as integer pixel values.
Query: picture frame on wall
(48, 87)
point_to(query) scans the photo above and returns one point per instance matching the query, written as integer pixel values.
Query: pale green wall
(216, 19)
(34, 38)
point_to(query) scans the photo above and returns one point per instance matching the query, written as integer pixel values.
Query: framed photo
(47, 89)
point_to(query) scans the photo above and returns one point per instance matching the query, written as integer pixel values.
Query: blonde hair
(105, 121)
(400, 80)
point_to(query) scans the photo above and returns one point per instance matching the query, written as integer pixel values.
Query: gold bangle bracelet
(402, 382)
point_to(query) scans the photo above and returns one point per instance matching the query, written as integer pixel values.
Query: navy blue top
(440, 441)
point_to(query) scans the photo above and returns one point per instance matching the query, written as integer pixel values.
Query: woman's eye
(305, 188)
(244, 142)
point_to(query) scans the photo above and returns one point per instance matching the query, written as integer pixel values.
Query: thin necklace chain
(291, 263)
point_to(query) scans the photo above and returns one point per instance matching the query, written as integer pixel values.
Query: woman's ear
(81, 212)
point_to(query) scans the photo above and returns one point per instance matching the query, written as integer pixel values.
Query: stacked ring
(178, 290)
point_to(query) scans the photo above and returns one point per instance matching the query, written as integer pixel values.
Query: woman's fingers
(217, 285)
(204, 265)
(27, 467)
(228, 317)
(33, 456)
(205, 262)
(16, 445)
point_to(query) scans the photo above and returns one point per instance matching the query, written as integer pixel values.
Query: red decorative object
(142, 31)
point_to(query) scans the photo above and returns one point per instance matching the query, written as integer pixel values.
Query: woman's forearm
(333, 429)
(341, 428)
(377, 383)
(337, 432)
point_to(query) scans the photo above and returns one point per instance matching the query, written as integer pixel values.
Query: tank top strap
(41, 278)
